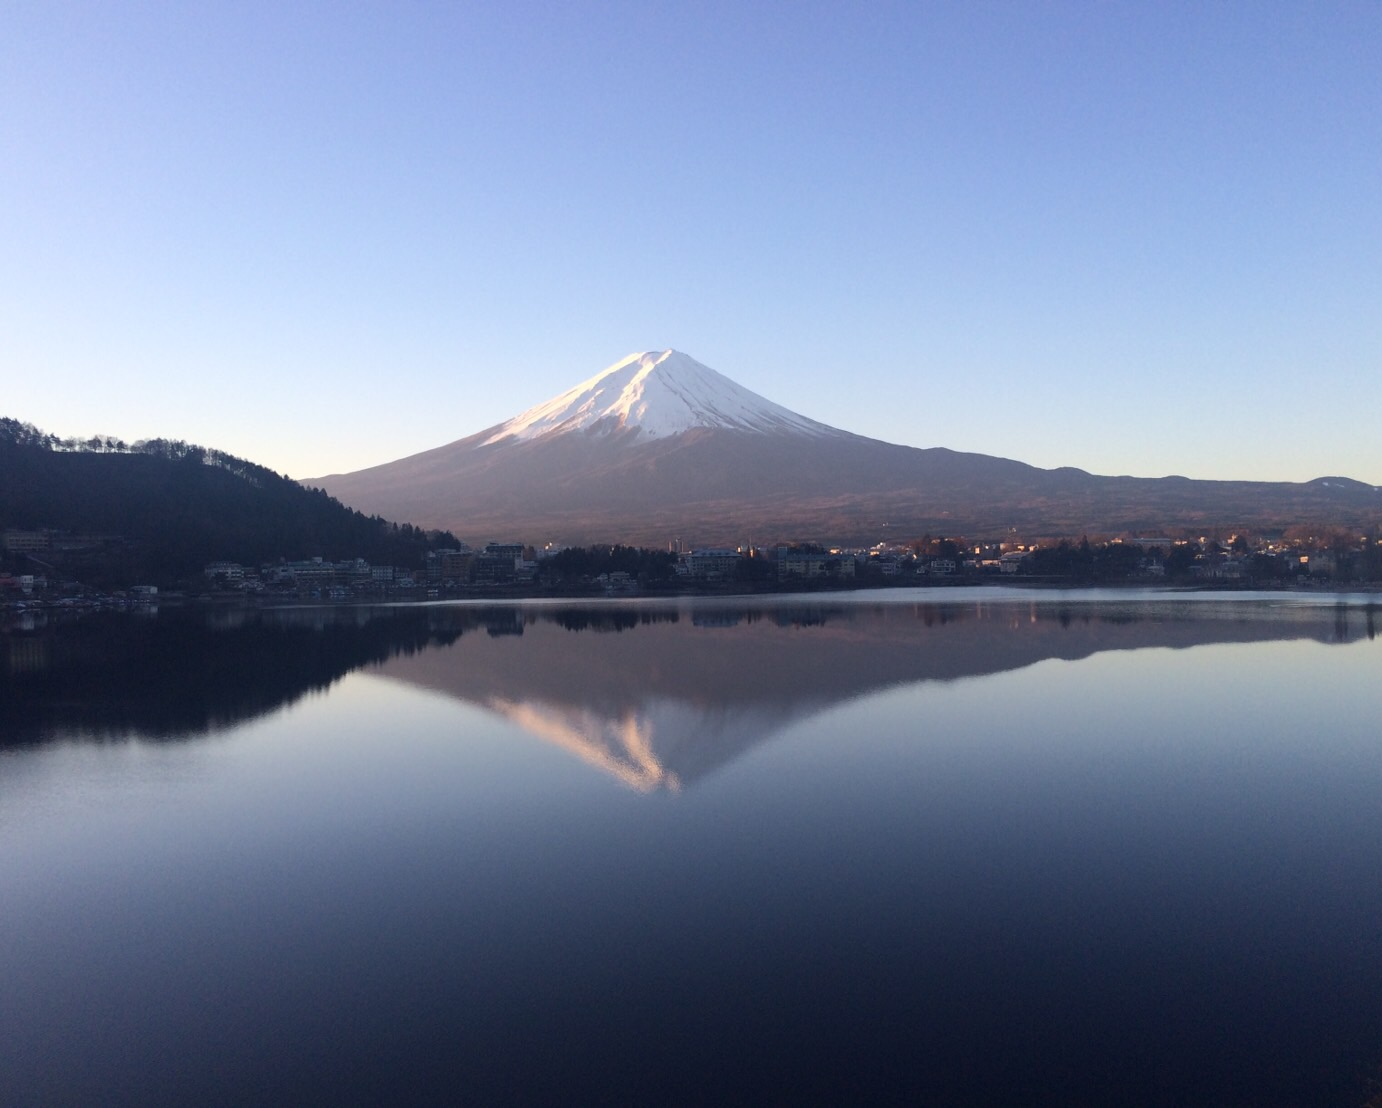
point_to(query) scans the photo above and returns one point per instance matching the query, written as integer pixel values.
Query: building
(712, 564)
(449, 565)
(18, 541)
(1011, 562)
(791, 563)
(233, 572)
(497, 562)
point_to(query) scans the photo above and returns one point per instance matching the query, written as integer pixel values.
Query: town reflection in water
(657, 695)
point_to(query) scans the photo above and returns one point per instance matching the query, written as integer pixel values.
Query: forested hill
(171, 507)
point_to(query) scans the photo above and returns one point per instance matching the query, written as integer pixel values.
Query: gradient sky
(1134, 238)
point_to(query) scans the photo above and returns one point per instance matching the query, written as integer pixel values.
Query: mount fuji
(651, 394)
(659, 446)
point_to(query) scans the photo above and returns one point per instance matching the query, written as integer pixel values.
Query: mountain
(659, 446)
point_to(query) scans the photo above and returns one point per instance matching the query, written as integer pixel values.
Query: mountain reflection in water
(669, 692)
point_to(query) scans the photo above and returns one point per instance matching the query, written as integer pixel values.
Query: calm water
(1070, 848)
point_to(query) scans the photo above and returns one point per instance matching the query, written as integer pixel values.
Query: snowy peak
(656, 394)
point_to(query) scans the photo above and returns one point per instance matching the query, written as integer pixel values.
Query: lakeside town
(40, 568)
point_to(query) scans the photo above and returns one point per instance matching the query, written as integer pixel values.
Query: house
(617, 583)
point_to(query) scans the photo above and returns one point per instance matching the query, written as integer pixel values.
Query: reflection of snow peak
(621, 747)
(656, 394)
(656, 743)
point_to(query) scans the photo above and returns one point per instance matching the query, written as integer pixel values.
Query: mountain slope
(659, 447)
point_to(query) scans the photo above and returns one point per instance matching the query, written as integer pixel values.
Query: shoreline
(501, 594)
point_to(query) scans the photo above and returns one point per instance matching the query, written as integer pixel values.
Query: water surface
(1072, 847)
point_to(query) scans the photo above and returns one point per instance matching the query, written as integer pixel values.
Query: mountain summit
(659, 446)
(651, 394)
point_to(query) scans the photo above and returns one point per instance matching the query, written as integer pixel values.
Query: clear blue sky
(1134, 238)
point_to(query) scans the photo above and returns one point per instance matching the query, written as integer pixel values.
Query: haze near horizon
(1131, 241)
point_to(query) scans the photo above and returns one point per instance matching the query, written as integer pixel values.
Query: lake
(953, 846)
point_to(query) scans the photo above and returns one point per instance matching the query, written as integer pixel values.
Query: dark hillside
(166, 508)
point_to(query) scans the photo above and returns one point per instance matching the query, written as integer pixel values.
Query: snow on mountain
(656, 394)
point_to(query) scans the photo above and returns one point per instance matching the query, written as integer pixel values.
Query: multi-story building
(712, 564)
(792, 563)
(17, 541)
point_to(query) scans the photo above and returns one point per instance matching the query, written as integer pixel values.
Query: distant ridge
(659, 447)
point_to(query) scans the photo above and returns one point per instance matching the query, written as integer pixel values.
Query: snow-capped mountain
(660, 447)
(655, 393)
